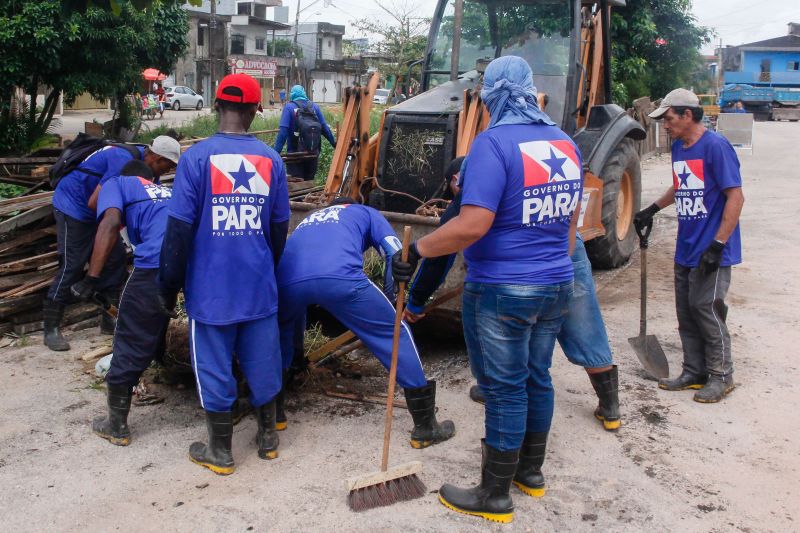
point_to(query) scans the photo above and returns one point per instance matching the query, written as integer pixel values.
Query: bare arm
(93, 198)
(471, 224)
(730, 215)
(666, 199)
(573, 228)
(104, 241)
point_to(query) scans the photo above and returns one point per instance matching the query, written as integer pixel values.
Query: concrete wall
(752, 60)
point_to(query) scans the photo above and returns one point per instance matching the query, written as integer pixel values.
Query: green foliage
(10, 191)
(403, 39)
(283, 48)
(69, 7)
(92, 50)
(655, 48)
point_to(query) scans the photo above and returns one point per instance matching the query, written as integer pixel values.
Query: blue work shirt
(230, 188)
(330, 243)
(73, 191)
(144, 210)
(530, 176)
(287, 127)
(700, 175)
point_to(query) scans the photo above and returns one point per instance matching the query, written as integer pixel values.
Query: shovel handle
(643, 298)
(398, 318)
(644, 234)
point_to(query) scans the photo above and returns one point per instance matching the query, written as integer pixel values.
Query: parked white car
(181, 97)
(381, 96)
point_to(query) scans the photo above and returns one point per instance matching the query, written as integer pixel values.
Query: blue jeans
(583, 336)
(510, 332)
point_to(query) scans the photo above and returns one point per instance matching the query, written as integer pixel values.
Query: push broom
(400, 483)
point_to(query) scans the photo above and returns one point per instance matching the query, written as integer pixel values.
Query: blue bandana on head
(297, 93)
(510, 95)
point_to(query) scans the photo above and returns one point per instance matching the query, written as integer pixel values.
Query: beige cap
(676, 98)
(166, 147)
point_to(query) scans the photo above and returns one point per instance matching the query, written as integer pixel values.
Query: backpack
(307, 127)
(78, 150)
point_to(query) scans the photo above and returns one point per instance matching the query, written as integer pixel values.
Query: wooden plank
(97, 353)
(11, 306)
(28, 160)
(26, 218)
(28, 288)
(331, 345)
(27, 263)
(6, 210)
(13, 282)
(18, 199)
(28, 237)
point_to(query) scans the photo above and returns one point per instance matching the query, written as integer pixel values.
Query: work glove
(403, 270)
(709, 261)
(85, 288)
(166, 303)
(644, 218)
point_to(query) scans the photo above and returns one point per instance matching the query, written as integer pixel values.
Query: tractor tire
(176, 105)
(622, 190)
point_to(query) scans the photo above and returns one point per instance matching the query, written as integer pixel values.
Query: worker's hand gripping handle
(644, 234)
(398, 318)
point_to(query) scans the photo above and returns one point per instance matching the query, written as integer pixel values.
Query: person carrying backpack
(77, 186)
(301, 128)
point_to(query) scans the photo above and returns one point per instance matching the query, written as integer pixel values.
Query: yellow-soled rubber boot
(114, 427)
(216, 455)
(491, 499)
(267, 435)
(427, 431)
(606, 386)
(528, 477)
(683, 382)
(281, 422)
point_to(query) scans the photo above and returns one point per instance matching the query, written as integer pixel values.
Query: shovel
(647, 347)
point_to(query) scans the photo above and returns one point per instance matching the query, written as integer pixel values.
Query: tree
(69, 7)
(403, 40)
(655, 48)
(93, 52)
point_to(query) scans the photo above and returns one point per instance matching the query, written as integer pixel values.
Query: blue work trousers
(510, 332)
(362, 308)
(583, 335)
(257, 347)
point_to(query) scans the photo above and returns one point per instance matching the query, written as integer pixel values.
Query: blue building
(764, 74)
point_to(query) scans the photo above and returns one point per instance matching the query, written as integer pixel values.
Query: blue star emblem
(683, 177)
(555, 164)
(242, 178)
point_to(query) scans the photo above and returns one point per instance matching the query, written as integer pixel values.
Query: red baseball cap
(239, 88)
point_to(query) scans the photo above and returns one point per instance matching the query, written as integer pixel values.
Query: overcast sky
(734, 21)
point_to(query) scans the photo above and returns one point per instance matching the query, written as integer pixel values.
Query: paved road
(675, 465)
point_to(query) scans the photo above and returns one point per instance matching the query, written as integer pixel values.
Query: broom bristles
(386, 493)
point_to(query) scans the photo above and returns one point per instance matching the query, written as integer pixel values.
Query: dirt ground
(675, 465)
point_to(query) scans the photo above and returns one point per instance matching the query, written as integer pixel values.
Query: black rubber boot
(107, 322)
(216, 455)
(491, 499)
(529, 478)
(716, 389)
(267, 436)
(53, 339)
(114, 427)
(422, 406)
(606, 386)
(476, 394)
(682, 382)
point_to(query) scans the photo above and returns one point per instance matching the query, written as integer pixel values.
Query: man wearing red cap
(227, 227)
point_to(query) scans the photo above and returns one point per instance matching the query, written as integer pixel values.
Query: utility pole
(720, 71)
(294, 45)
(212, 26)
(457, 19)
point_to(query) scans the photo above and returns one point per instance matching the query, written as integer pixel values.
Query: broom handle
(398, 318)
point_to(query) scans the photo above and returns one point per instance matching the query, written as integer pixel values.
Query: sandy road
(675, 465)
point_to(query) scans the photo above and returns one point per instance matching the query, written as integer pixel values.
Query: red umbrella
(152, 74)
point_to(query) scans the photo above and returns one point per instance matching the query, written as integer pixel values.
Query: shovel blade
(651, 355)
